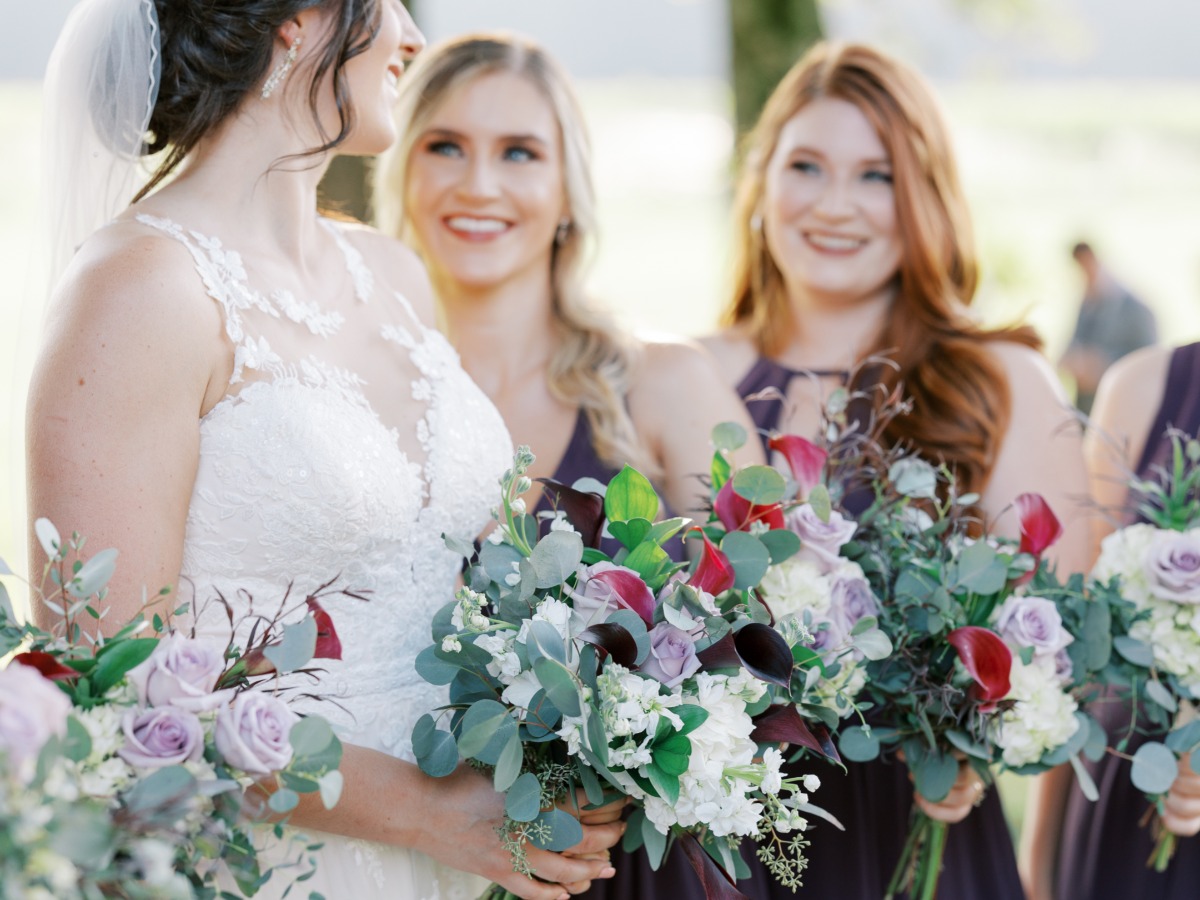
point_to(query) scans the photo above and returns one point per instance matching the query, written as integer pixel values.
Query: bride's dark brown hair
(960, 397)
(216, 52)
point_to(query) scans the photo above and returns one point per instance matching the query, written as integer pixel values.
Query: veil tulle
(100, 89)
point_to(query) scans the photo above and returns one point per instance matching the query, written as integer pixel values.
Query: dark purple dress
(1103, 852)
(873, 800)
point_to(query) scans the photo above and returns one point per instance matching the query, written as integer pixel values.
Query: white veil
(100, 89)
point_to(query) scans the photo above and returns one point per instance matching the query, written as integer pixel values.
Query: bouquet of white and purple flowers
(124, 760)
(626, 677)
(1155, 567)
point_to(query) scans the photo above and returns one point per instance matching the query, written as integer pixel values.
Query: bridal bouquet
(123, 760)
(1155, 566)
(987, 663)
(625, 677)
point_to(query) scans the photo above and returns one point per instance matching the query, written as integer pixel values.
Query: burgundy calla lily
(737, 513)
(987, 658)
(804, 458)
(47, 665)
(329, 646)
(1040, 528)
(714, 573)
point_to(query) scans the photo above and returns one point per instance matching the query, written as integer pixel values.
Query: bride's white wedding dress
(316, 465)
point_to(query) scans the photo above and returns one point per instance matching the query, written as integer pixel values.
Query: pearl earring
(280, 71)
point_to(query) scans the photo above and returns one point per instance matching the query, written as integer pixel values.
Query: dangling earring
(562, 232)
(280, 71)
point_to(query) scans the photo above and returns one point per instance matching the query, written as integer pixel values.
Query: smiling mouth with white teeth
(393, 77)
(833, 242)
(471, 225)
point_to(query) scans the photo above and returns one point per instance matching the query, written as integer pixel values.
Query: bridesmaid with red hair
(853, 240)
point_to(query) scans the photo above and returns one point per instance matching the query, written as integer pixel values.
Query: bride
(241, 394)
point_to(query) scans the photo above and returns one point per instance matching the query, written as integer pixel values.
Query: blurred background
(1073, 119)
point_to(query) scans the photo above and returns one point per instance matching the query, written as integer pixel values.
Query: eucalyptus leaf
(934, 774)
(331, 788)
(564, 831)
(94, 574)
(556, 557)
(433, 668)
(748, 556)
(913, 477)
(560, 685)
(979, 569)
(1137, 652)
(435, 750)
(78, 743)
(858, 745)
(524, 800)
(498, 560)
(761, 485)
(1157, 692)
(544, 640)
(508, 764)
(295, 649)
(161, 789)
(655, 842)
(873, 644)
(966, 744)
(480, 724)
(818, 499)
(1185, 738)
(48, 537)
(458, 546)
(310, 736)
(781, 543)
(284, 800)
(1154, 768)
(728, 436)
(1086, 785)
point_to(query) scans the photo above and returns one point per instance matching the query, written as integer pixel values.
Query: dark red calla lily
(1040, 528)
(329, 646)
(714, 573)
(987, 658)
(716, 883)
(737, 513)
(47, 665)
(804, 458)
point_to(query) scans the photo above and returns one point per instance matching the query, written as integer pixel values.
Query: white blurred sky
(688, 38)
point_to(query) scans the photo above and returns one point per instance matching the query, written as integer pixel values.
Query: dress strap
(224, 279)
(364, 281)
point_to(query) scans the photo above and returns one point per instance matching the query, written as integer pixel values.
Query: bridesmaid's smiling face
(484, 192)
(829, 209)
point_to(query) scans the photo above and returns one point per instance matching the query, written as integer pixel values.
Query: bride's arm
(452, 820)
(130, 360)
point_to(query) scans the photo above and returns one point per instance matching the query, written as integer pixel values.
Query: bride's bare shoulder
(395, 265)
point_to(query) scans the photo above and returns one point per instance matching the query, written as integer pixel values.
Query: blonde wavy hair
(594, 359)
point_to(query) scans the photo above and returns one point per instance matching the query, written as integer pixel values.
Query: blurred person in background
(1112, 323)
(853, 239)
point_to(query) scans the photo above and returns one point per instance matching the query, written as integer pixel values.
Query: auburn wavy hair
(960, 396)
(594, 360)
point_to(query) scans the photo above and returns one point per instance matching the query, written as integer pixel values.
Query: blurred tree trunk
(768, 36)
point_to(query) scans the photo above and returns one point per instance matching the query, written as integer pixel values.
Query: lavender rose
(182, 672)
(604, 588)
(851, 599)
(829, 633)
(1032, 622)
(672, 655)
(32, 710)
(252, 734)
(1173, 566)
(820, 541)
(165, 736)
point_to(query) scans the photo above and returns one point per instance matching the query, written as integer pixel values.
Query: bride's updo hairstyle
(216, 53)
(591, 367)
(961, 400)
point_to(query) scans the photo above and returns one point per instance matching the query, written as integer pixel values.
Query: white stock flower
(505, 664)
(520, 691)
(451, 644)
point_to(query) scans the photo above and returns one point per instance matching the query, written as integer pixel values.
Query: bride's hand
(461, 831)
(1181, 809)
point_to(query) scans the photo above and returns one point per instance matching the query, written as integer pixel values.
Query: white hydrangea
(1123, 554)
(1173, 631)
(795, 585)
(1042, 719)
